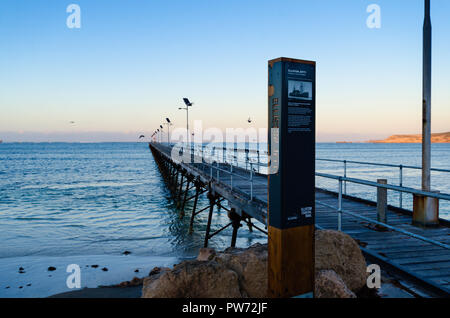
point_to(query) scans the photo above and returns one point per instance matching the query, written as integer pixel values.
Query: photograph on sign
(300, 90)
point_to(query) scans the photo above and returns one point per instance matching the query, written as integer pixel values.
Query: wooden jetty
(421, 261)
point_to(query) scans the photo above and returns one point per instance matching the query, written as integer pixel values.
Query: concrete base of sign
(425, 211)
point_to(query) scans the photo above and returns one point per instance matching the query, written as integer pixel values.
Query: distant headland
(403, 139)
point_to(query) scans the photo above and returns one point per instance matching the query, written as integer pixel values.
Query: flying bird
(71, 122)
(249, 120)
(141, 136)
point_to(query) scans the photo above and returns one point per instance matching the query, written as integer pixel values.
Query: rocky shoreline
(242, 273)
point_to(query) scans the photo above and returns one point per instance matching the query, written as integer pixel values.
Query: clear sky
(131, 62)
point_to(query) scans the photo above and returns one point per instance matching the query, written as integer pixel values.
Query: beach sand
(36, 280)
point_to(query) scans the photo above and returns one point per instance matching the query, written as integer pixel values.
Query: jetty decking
(425, 262)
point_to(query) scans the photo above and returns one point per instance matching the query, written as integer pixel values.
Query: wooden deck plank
(434, 273)
(406, 249)
(423, 260)
(416, 254)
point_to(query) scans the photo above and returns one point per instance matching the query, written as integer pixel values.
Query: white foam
(45, 283)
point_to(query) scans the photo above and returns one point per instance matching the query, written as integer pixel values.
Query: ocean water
(61, 203)
(86, 204)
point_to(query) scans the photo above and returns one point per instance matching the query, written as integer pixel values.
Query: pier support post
(236, 224)
(185, 197)
(197, 192)
(174, 176)
(180, 190)
(171, 178)
(249, 223)
(169, 171)
(212, 202)
(175, 183)
(382, 202)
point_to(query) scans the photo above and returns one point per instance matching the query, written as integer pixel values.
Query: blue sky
(132, 61)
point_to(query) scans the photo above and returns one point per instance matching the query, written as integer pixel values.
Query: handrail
(436, 195)
(425, 239)
(380, 164)
(264, 152)
(218, 169)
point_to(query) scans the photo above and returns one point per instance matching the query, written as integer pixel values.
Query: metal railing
(252, 181)
(394, 228)
(210, 159)
(400, 167)
(340, 210)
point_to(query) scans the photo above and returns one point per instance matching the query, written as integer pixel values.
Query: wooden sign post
(291, 207)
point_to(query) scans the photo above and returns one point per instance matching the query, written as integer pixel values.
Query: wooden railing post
(382, 202)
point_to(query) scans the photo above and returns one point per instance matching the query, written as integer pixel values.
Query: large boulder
(340, 272)
(328, 284)
(337, 251)
(193, 279)
(206, 254)
(251, 266)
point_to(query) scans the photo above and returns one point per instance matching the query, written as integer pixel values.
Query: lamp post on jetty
(425, 209)
(188, 104)
(168, 123)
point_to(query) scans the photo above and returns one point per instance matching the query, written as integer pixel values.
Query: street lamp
(168, 123)
(188, 104)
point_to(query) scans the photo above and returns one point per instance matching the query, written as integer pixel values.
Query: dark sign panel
(292, 110)
(291, 207)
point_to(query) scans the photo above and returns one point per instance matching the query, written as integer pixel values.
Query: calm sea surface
(62, 199)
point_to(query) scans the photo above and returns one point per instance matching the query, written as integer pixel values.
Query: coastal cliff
(435, 138)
